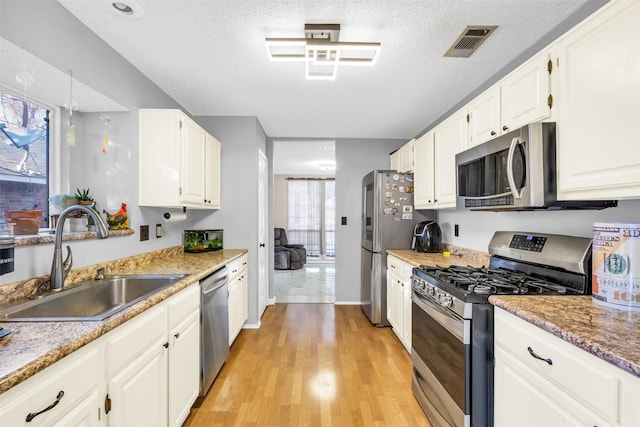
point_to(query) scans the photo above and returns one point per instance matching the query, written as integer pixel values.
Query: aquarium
(202, 240)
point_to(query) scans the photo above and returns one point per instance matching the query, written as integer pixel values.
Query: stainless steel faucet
(59, 268)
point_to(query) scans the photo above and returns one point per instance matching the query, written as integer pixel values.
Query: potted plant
(84, 197)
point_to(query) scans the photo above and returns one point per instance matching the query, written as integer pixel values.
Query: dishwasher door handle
(217, 285)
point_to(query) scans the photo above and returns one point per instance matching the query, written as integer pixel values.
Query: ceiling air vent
(470, 39)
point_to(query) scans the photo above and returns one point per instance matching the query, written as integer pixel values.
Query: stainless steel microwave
(516, 171)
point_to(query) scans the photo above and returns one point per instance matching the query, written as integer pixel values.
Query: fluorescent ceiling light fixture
(321, 51)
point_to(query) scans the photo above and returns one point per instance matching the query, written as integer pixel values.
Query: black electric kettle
(427, 237)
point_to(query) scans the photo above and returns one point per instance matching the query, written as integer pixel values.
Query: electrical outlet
(144, 233)
(456, 230)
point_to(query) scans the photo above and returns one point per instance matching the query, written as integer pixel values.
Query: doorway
(306, 170)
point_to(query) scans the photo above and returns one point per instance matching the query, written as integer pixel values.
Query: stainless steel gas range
(452, 329)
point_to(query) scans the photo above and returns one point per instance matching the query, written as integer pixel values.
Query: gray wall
(241, 139)
(280, 201)
(48, 31)
(354, 159)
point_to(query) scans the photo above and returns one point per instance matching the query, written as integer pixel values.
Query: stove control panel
(436, 295)
(527, 242)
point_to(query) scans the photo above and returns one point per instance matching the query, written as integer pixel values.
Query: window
(311, 215)
(24, 156)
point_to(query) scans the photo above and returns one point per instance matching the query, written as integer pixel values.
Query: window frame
(54, 155)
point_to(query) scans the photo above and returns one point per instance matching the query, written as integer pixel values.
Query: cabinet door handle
(32, 415)
(534, 355)
(166, 345)
(505, 127)
(177, 335)
(493, 132)
(262, 245)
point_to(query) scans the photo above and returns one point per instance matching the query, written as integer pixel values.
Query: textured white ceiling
(210, 56)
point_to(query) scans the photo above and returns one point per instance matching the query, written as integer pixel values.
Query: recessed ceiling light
(129, 9)
(122, 8)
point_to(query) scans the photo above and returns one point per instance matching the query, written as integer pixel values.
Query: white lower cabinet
(394, 299)
(238, 296)
(137, 394)
(76, 382)
(399, 299)
(146, 372)
(541, 380)
(184, 382)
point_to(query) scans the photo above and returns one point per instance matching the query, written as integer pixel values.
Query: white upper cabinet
(192, 162)
(212, 172)
(406, 157)
(394, 160)
(434, 173)
(401, 160)
(484, 117)
(520, 98)
(525, 94)
(598, 80)
(450, 138)
(179, 163)
(423, 190)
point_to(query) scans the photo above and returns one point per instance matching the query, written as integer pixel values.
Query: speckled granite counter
(608, 333)
(33, 346)
(459, 256)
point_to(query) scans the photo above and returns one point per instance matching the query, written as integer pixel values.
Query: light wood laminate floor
(312, 365)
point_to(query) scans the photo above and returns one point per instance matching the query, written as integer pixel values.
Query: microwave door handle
(517, 194)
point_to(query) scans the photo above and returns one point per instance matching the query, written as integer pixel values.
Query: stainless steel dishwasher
(214, 338)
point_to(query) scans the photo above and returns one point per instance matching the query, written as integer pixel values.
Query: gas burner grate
(490, 280)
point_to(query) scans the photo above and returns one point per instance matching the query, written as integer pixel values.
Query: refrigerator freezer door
(373, 287)
(388, 217)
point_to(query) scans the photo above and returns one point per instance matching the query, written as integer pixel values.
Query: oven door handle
(517, 193)
(447, 320)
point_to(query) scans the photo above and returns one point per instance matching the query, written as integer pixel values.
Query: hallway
(314, 283)
(312, 365)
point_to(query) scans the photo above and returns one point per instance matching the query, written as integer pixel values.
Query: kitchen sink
(91, 300)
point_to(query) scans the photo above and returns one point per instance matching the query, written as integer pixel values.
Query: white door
(263, 246)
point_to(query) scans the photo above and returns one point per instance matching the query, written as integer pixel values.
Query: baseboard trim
(272, 301)
(252, 325)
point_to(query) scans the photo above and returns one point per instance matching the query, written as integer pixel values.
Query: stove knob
(446, 301)
(431, 290)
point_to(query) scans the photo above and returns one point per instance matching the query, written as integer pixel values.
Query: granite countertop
(458, 256)
(612, 334)
(33, 346)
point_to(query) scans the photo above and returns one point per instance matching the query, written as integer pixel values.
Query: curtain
(305, 215)
(330, 218)
(311, 215)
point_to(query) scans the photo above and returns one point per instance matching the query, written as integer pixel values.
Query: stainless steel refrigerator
(388, 219)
